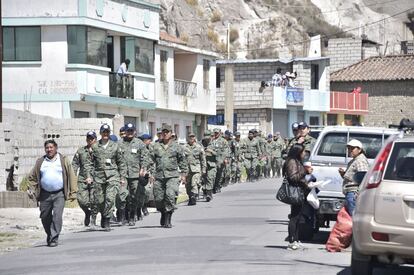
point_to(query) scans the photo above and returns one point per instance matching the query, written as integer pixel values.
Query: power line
(324, 36)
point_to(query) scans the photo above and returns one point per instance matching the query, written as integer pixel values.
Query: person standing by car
(53, 181)
(295, 173)
(358, 163)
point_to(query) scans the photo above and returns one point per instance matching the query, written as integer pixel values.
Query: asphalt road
(241, 231)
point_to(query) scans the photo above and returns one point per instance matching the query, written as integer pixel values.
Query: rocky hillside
(280, 28)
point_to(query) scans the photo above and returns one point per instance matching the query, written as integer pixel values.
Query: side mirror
(359, 176)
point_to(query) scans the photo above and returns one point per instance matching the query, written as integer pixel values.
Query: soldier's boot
(145, 211)
(131, 218)
(209, 195)
(204, 193)
(118, 215)
(93, 221)
(139, 214)
(162, 220)
(107, 224)
(122, 217)
(192, 200)
(87, 219)
(168, 219)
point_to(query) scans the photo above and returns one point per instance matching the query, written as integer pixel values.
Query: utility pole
(1, 68)
(228, 40)
(228, 96)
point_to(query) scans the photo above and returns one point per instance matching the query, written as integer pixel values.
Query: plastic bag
(341, 235)
(312, 199)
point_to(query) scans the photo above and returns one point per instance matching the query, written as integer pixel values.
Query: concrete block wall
(252, 119)
(344, 52)
(389, 101)
(29, 131)
(247, 79)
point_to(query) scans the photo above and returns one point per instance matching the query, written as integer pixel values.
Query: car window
(334, 144)
(401, 162)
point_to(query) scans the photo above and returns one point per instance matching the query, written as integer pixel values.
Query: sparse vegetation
(184, 37)
(212, 35)
(215, 16)
(234, 34)
(192, 2)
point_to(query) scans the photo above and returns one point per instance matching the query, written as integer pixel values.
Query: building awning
(123, 102)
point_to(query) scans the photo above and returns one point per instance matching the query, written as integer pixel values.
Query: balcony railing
(121, 86)
(185, 88)
(350, 103)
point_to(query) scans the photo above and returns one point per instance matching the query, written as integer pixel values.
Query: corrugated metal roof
(378, 68)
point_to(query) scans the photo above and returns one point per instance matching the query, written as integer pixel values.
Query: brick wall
(344, 52)
(252, 119)
(28, 132)
(389, 101)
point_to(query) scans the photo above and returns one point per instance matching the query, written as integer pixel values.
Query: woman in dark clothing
(295, 173)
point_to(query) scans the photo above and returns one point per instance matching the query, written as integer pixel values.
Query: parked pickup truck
(329, 153)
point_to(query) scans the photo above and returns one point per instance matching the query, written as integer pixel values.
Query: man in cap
(170, 161)
(211, 169)
(86, 190)
(122, 132)
(196, 167)
(109, 170)
(236, 158)
(223, 153)
(159, 135)
(228, 136)
(278, 146)
(250, 150)
(136, 160)
(291, 142)
(303, 138)
(268, 153)
(358, 163)
(144, 195)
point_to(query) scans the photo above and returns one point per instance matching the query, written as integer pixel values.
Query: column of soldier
(121, 173)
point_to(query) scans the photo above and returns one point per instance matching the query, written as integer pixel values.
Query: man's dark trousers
(51, 212)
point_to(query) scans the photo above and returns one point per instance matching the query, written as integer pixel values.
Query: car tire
(360, 264)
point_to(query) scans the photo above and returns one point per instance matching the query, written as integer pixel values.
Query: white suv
(383, 221)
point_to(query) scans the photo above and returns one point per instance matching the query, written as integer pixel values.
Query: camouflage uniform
(197, 167)
(235, 161)
(169, 160)
(85, 195)
(211, 168)
(308, 144)
(108, 170)
(136, 157)
(278, 146)
(268, 156)
(223, 152)
(262, 157)
(250, 149)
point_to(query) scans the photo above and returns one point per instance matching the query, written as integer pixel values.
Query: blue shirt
(51, 176)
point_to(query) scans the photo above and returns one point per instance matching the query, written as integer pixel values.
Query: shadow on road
(276, 246)
(319, 238)
(282, 222)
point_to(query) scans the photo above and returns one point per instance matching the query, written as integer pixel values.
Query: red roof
(378, 68)
(169, 38)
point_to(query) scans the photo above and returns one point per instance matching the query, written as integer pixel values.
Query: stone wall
(389, 101)
(344, 52)
(22, 134)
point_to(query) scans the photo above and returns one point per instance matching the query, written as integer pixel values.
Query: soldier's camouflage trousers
(193, 183)
(220, 175)
(165, 191)
(142, 196)
(251, 165)
(121, 197)
(105, 194)
(235, 171)
(210, 178)
(86, 197)
(277, 164)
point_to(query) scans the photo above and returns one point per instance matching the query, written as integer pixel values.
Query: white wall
(43, 8)
(160, 117)
(46, 77)
(52, 109)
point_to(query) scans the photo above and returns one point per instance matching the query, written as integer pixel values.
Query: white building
(59, 57)
(185, 87)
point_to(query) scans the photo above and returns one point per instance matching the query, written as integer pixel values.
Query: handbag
(290, 194)
(312, 199)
